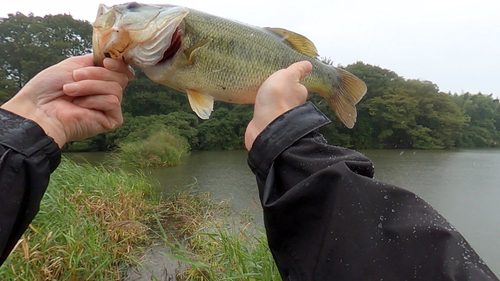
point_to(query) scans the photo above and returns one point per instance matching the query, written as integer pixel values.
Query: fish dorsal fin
(202, 104)
(297, 41)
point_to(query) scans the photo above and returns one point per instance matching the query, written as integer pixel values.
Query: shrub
(161, 149)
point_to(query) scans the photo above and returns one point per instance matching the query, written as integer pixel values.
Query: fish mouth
(140, 35)
(168, 54)
(175, 45)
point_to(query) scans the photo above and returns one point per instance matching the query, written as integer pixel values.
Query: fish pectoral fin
(191, 51)
(202, 104)
(297, 41)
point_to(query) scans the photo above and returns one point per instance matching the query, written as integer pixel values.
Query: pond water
(463, 185)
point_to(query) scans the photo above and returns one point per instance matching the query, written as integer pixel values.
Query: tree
(377, 79)
(483, 113)
(28, 44)
(143, 97)
(437, 112)
(225, 129)
(395, 112)
(8, 87)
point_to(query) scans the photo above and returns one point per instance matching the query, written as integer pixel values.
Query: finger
(108, 105)
(103, 103)
(83, 61)
(119, 66)
(99, 73)
(300, 69)
(93, 87)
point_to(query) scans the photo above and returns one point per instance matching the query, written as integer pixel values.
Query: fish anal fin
(191, 51)
(349, 91)
(201, 104)
(297, 41)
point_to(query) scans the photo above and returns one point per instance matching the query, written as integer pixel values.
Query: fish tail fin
(347, 92)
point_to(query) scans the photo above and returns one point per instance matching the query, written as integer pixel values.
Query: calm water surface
(463, 185)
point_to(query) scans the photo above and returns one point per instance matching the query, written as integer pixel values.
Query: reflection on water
(463, 185)
(225, 174)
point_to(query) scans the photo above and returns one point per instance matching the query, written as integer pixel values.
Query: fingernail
(111, 64)
(80, 74)
(70, 88)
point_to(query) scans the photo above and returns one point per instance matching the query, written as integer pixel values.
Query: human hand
(281, 92)
(74, 99)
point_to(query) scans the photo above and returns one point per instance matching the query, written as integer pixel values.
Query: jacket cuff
(283, 132)
(26, 137)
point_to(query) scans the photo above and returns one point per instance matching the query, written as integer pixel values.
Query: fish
(213, 58)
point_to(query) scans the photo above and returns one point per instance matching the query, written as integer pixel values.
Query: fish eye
(133, 6)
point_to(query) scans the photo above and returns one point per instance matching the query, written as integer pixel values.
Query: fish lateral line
(212, 58)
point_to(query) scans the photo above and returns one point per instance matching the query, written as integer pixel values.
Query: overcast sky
(455, 44)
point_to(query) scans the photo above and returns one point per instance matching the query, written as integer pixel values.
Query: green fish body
(209, 57)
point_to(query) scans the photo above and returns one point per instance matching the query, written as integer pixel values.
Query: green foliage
(216, 245)
(395, 112)
(90, 226)
(28, 44)
(377, 79)
(162, 148)
(225, 129)
(483, 113)
(403, 113)
(140, 127)
(144, 97)
(8, 87)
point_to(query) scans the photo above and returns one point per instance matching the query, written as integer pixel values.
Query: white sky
(453, 43)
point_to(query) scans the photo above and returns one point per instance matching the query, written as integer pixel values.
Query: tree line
(395, 113)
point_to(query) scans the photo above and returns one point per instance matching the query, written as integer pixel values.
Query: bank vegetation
(395, 113)
(96, 223)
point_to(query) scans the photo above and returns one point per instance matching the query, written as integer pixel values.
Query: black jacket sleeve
(326, 218)
(28, 156)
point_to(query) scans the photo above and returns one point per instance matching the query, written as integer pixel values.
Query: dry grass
(93, 223)
(215, 243)
(90, 226)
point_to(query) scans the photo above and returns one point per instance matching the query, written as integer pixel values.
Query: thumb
(300, 69)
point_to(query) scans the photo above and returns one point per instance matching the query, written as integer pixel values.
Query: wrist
(251, 133)
(259, 123)
(26, 110)
(50, 130)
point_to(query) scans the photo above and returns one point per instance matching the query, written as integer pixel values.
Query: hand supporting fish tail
(280, 93)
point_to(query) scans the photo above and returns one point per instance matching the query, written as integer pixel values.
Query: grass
(216, 244)
(161, 149)
(95, 223)
(90, 226)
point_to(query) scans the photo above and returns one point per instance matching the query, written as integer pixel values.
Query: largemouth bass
(209, 57)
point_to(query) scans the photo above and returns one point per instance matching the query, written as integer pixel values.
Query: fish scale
(238, 54)
(217, 58)
(241, 66)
